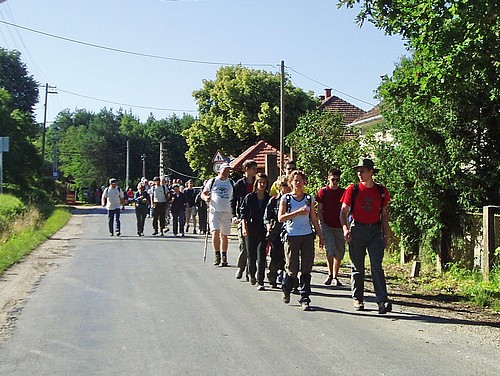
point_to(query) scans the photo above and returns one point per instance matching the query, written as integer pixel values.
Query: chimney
(328, 93)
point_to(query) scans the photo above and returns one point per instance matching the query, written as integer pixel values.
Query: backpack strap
(355, 192)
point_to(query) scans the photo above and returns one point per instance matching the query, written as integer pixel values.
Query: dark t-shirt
(330, 198)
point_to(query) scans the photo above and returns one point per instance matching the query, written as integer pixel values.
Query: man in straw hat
(366, 203)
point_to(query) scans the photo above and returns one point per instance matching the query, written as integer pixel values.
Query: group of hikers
(281, 220)
(161, 200)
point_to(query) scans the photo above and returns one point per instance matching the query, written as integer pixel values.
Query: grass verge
(28, 232)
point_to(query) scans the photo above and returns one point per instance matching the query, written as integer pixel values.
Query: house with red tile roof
(334, 104)
(258, 153)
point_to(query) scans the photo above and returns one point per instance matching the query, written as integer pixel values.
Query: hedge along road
(149, 305)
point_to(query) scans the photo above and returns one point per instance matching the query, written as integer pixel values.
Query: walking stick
(206, 246)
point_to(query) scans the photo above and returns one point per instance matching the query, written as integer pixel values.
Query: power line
(125, 104)
(132, 52)
(325, 85)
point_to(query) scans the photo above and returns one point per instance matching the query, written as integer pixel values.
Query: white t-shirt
(220, 195)
(113, 198)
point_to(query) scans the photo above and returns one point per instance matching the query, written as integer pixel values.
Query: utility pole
(282, 118)
(127, 167)
(47, 92)
(143, 159)
(55, 163)
(162, 170)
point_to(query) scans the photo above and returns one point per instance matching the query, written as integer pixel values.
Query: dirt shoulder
(20, 280)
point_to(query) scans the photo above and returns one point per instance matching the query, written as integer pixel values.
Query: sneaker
(358, 305)
(253, 281)
(183, 235)
(384, 307)
(138, 234)
(328, 280)
(261, 288)
(156, 232)
(167, 229)
(194, 231)
(286, 297)
(161, 233)
(239, 273)
(295, 291)
(110, 234)
(305, 306)
(118, 233)
(336, 282)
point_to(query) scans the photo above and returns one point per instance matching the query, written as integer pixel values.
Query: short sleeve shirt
(330, 198)
(114, 196)
(367, 204)
(220, 195)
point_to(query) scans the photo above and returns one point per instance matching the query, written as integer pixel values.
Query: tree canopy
(442, 107)
(239, 108)
(18, 96)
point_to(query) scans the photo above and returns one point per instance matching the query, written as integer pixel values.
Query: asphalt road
(149, 306)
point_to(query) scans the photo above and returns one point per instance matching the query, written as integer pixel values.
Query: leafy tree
(442, 106)
(320, 143)
(237, 109)
(18, 96)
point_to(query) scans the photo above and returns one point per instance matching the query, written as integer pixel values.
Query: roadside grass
(26, 231)
(456, 282)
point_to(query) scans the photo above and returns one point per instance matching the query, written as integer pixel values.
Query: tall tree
(237, 109)
(442, 106)
(320, 143)
(18, 96)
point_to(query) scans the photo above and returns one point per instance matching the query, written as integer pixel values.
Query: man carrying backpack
(366, 203)
(113, 199)
(217, 194)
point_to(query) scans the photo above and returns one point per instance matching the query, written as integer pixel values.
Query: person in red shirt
(367, 230)
(329, 216)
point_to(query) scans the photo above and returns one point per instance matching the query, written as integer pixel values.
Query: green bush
(10, 207)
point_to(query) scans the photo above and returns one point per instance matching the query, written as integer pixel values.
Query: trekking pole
(206, 246)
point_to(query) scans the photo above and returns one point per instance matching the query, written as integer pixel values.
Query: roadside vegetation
(24, 227)
(455, 283)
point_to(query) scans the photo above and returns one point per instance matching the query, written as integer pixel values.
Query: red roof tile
(336, 104)
(258, 153)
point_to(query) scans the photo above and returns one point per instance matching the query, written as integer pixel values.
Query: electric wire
(132, 52)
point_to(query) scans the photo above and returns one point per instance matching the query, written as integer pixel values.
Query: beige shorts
(334, 241)
(220, 221)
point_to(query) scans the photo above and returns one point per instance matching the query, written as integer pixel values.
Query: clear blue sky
(313, 37)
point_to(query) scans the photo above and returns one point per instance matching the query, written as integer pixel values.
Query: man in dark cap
(366, 203)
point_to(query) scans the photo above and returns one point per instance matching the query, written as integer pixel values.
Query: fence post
(488, 239)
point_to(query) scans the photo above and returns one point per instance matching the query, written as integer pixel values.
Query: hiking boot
(336, 282)
(328, 280)
(286, 297)
(305, 306)
(217, 259)
(358, 305)
(224, 259)
(239, 273)
(384, 307)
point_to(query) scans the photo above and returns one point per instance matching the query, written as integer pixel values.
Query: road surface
(149, 306)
